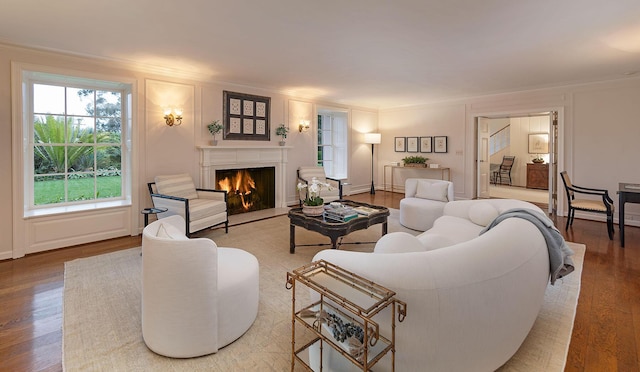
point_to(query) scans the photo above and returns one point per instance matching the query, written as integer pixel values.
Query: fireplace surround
(215, 158)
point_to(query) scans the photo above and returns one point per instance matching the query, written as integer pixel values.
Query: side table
(627, 193)
(344, 299)
(148, 211)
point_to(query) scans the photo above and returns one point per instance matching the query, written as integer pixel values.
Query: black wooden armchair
(604, 205)
(504, 171)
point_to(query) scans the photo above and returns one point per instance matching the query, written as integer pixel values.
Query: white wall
(159, 149)
(423, 121)
(598, 133)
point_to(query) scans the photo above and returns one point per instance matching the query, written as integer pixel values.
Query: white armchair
(306, 173)
(196, 297)
(200, 208)
(424, 201)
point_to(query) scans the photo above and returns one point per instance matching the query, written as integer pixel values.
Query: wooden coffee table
(333, 229)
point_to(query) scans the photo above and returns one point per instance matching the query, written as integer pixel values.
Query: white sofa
(424, 201)
(196, 297)
(471, 300)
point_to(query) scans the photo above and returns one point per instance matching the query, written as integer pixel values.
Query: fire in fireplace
(249, 189)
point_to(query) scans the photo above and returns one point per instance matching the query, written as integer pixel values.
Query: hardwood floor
(606, 334)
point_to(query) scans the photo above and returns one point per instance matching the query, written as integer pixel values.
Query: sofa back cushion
(180, 185)
(482, 213)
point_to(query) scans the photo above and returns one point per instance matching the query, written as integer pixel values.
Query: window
(75, 130)
(500, 140)
(332, 143)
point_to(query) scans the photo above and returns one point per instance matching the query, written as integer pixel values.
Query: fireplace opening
(248, 189)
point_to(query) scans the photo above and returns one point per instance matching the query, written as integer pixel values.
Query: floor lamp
(372, 138)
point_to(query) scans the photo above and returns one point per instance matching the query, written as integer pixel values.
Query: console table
(627, 193)
(422, 169)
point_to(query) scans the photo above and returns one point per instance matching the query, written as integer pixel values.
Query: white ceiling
(375, 53)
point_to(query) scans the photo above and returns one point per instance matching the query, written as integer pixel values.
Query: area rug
(102, 332)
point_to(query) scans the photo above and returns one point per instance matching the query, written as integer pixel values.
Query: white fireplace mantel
(214, 158)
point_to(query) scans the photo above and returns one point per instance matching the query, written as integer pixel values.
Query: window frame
(30, 75)
(339, 152)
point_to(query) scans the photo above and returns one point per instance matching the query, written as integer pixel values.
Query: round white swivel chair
(196, 297)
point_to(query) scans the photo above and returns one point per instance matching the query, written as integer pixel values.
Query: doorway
(528, 137)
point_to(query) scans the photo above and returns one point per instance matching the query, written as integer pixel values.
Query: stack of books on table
(339, 214)
(365, 210)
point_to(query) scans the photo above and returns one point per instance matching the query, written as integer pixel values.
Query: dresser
(538, 176)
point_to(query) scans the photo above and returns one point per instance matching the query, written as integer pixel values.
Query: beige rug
(101, 330)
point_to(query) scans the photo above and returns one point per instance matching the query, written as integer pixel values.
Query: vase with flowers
(313, 204)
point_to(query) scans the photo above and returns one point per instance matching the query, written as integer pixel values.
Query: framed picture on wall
(246, 116)
(412, 144)
(400, 144)
(425, 144)
(538, 143)
(440, 144)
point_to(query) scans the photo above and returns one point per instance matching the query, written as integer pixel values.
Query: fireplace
(220, 158)
(248, 189)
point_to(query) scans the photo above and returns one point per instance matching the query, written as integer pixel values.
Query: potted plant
(415, 161)
(214, 128)
(282, 131)
(313, 204)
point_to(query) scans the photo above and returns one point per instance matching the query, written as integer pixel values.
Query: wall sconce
(173, 116)
(304, 126)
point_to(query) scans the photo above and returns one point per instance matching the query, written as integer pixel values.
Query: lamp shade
(373, 138)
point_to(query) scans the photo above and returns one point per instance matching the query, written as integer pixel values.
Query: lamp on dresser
(373, 139)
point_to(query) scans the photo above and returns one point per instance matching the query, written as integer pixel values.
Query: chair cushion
(592, 205)
(201, 208)
(307, 173)
(482, 213)
(180, 185)
(420, 214)
(433, 190)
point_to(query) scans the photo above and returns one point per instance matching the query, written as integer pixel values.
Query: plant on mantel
(415, 161)
(214, 128)
(282, 131)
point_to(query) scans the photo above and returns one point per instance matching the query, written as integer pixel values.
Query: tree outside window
(77, 144)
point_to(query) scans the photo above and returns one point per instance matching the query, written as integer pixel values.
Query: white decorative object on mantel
(214, 158)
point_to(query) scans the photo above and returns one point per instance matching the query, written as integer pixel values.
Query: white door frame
(553, 178)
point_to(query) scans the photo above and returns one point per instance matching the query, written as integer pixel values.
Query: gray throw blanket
(560, 264)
